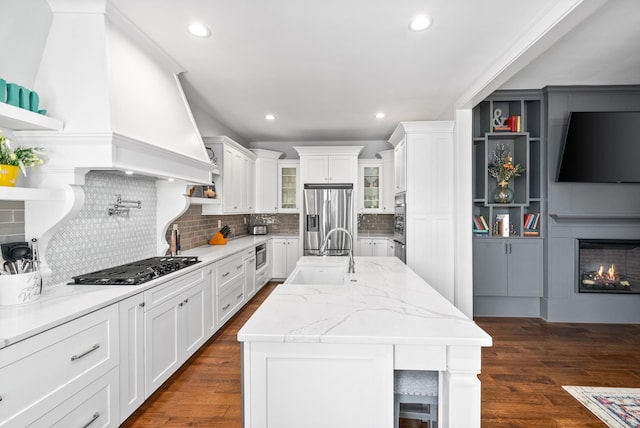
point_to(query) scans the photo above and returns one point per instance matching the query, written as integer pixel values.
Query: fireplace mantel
(571, 217)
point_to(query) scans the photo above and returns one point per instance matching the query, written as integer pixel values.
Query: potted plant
(503, 170)
(13, 161)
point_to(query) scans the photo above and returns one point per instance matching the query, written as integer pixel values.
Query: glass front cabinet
(370, 186)
(288, 181)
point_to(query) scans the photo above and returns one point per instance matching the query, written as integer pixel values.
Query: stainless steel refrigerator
(327, 206)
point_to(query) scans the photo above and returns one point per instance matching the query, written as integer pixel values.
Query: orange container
(217, 239)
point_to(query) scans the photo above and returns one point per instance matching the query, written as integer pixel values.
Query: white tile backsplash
(93, 240)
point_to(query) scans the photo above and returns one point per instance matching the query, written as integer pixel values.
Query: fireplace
(609, 266)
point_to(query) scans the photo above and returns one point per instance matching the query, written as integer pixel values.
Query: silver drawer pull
(239, 295)
(239, 267)
(224, 308)
(225, 274)
(94, 418)
(77, 357)
(0, 397)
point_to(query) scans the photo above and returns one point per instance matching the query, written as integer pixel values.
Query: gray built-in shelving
(509, 267)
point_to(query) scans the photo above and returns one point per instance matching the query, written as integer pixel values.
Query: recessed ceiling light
(270, 117)
(198, 30)
(129, 172)
(420, 22)
(380, 115)
(171, 179)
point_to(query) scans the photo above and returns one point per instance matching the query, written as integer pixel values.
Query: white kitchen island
(323, 353)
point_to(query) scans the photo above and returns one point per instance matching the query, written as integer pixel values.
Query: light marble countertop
(62, 303)
(388, 304)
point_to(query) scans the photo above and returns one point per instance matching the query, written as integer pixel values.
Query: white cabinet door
(211, 317)
(131, 329)
(249, 194)
(288, 186)
(400, 166)
(250, 276)
(388, 181)
(193, 320)
(162, 343)
(391, 248)
(266, 185)
(285, 256)
(315, 169)
(293, 254)
(370, 176)
(279, 257)
(368, 247)
(342, 169)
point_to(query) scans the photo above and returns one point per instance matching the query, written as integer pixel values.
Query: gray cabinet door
(525, 268)
(490, 267)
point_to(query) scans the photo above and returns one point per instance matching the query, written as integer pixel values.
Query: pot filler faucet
(323, 247)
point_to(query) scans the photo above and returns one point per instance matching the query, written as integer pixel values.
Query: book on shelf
(480, 232)
(511, 124)
(531, 233)
(480, 224)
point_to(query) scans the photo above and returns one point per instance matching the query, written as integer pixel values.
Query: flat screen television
(601, 147)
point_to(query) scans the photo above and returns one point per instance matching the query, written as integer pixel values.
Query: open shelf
(12, 117)
(30, 194)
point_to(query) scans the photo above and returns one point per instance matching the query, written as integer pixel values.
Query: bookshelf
(525, 148)
(508, 254)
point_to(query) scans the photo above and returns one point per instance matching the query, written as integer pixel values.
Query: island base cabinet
(317, 385)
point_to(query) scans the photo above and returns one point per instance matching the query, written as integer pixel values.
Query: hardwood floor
(522, 375)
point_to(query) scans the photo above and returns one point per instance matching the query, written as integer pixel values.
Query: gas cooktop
(136, 273)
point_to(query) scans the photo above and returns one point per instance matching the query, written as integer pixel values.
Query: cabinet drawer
(162, 293)
(227, 269)
(261, 278)
(229, 302)
(93, 406)
(40, 372)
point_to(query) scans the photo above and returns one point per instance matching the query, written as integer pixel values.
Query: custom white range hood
(120, 98)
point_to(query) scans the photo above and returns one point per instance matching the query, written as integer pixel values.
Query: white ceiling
(324, 68)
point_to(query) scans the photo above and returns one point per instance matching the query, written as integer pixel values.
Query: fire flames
(611, 273)
(602, 279)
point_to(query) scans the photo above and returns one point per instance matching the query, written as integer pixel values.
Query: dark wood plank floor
(522, 375)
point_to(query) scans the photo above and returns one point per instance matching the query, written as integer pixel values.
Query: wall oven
(399, 226)
(261, 255)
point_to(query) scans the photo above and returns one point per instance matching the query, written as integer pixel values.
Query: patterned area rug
(616, 407)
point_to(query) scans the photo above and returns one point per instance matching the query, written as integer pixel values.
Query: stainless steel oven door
(261, 255)
(399, 214)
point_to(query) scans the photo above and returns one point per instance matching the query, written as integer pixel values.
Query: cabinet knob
(141, 304)
(186, 300)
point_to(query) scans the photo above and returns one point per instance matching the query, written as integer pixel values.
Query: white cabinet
(376, 247)
(55, 368)
(400, 165)
(266, 181)
(329, 164)
(388, 181)
(328, 169)
(289, 186)
(285, 253)
(391, 248)
(131, 312)
(236, 183)
(370, 179)
(424, 163)
(230, 286)
(249, 273)
(354, 381)
(174, 326)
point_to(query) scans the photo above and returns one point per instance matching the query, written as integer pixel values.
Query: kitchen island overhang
(319, 355)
